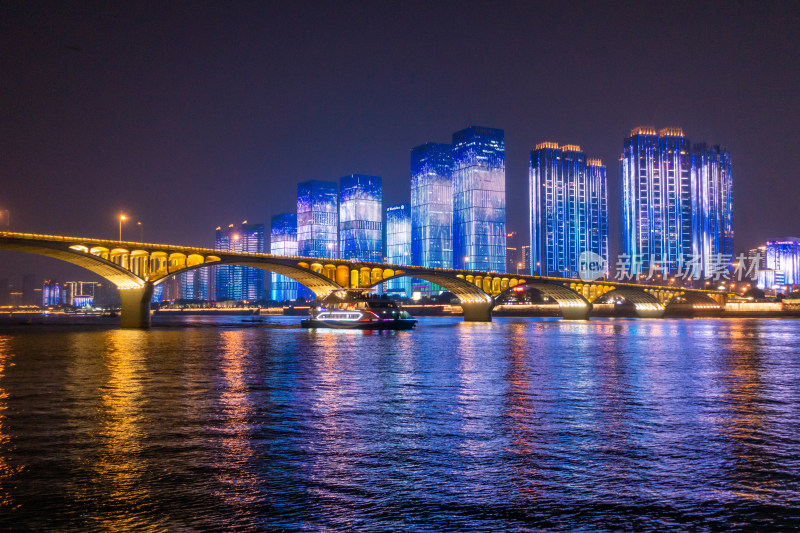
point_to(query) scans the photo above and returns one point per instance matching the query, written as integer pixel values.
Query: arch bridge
(136, 268)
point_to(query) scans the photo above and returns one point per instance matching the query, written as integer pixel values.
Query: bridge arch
(695, 300)
(573, 305)
(314, 279)
(645, 305)
(476, 303)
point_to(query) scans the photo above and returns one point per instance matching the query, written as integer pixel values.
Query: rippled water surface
(517, 424)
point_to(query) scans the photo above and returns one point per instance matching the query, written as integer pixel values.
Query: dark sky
(190, 115)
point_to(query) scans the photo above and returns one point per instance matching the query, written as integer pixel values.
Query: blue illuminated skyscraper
(234, 282)
(360, 216)
(479, 199)
(568, 209)
(712, 194)
(398, 244)
(194, 284)
(317, 219)
(677, 202)
(657, 199)
(283, 241)
(432, 205)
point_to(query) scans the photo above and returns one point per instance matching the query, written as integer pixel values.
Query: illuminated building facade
(317, 219)
(193, 284)
(568, 209)
(283, 241)
(233, 282)
(657, 199)
(360, 218)
(479, 199)
(432, 205)
(712, 194)
(398, 245)
(78, 293)
(677, 202)
(51, 293)
(782, 262)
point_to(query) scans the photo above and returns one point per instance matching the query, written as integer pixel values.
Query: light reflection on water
(519, 423)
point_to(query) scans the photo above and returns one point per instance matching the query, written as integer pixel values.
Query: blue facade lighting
(479, 199)
(568, 209)
(283, 241)
(317, 219)
(233, 282)
(360, 218)
(432, 205)
(398, 245)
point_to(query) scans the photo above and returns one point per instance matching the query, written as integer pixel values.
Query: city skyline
(236, 142)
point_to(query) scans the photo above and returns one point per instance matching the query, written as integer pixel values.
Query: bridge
(136, 268)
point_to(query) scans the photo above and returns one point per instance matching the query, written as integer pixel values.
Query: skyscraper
(193, 284)
(479, 199)
(568, 209)
(677, 203)
(51, 294)
(317, 219)
(432, 205)
(360, 218)
(235, 282)
(283, 241)
(657, 199)
(398, 244)
(712, 193)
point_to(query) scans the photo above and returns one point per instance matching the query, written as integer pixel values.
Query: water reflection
(234, 466)
(517, 424)
(7, 468)
(120, 468)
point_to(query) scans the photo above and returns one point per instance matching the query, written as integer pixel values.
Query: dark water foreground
(519, 424)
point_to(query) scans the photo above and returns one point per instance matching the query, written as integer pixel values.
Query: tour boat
(355, 309)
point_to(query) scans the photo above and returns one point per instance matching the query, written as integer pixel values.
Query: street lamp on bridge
(122, 218)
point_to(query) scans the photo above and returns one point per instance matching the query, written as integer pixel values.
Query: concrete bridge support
(136, 306)
(477, 311)
(576, 312)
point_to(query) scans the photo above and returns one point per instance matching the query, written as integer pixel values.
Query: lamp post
(141, 232)
(519, 265)
(122, 218)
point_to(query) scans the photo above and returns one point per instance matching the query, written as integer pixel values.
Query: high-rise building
(432, 205)
(479, 199)
(233, 282)
(360, 218)
(194, 284)
(657, 199)
(712, 194)
(398, 245)
(677, 203)
(782, 264)
(51, 293)
(283, 241)
(568, 212)
(317, 219)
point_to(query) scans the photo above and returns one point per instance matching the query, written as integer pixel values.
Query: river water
(518, 424)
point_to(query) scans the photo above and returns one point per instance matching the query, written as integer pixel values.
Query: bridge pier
(136, 306)
(477, 311)
(576, 312)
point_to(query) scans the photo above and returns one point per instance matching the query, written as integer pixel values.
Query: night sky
(186, 116)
